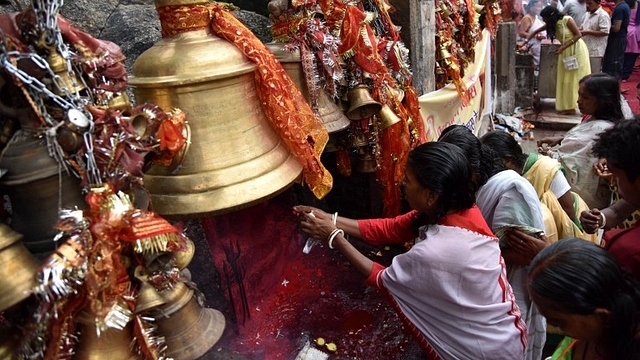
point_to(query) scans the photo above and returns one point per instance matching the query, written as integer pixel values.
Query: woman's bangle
(604, 220)
(333, 235)
(334, 218)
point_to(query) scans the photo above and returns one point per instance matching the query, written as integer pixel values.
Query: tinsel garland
(372, 54)
(89, 275)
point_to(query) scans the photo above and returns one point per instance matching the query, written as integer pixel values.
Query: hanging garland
(75, 86)
(361, 46)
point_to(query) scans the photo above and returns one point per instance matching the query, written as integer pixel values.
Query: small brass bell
(120, 102)
(148, 297)
(361, 104)
(111, 344)
(359, 140)
(332, 144)
(68, 79)
(332, 118)
(366, 163)
(180, 259)
(17, 268)
(189, 330)
(9, 346)
(387, 117)
(183, 258)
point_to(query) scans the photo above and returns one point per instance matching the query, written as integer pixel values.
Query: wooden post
(505, 69)
(417, 19)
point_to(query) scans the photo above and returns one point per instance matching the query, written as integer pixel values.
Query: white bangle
(334, 218)
(604, 220)
(333, 235)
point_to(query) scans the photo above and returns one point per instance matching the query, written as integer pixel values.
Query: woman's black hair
(443, 169)
(606, 90)
(550, 15)
(575, 276)
(484, 163)
(505, 147)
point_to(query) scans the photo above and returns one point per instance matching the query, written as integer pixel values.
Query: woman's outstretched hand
(314, 222)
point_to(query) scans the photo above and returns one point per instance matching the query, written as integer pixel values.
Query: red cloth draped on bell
(282, 102)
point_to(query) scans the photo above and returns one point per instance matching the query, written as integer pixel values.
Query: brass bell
(387, 117)
(10, 346)
(332, 144)
(183, 257)
(361, 104)
(189, 330)
(148, 297)
(331, 116)
(120, 102)
(292, 64)
(17, 269)
(111, 344)
(180, 259)
(68, 80)
(359, 140)
(366, 163)
(36, 191)
(235, 159)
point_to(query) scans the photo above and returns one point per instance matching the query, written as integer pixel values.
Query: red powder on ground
(292, 298)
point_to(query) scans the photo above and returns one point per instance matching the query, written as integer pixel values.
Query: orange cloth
(283, 104)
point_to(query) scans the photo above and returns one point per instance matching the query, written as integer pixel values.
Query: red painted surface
(292, 297)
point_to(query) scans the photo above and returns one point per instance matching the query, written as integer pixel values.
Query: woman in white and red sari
(450, 287)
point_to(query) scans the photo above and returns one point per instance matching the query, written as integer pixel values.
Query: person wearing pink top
(633, 38)
(450, 288)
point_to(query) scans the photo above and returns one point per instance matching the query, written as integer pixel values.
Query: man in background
(617, 40)
(595, 29)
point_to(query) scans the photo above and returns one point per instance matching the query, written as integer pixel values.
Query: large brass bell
(387, 117)
(235, 158)
(331, 116)
(361, 104)
(292, 64)
(17, 269)
(111, 344)
(37, 189)
(189, 330)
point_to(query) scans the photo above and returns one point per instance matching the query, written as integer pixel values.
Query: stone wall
(132, 24)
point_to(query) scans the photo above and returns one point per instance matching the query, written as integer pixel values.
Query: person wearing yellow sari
(553, 190)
